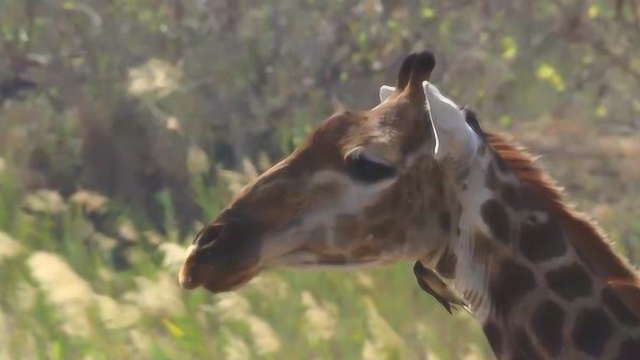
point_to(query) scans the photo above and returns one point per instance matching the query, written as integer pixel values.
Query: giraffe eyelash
(362, 168)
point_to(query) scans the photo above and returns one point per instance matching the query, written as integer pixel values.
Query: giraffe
(417, 179)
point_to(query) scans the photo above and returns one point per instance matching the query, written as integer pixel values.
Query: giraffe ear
(385, 92)
(453, 136)
(472, 120)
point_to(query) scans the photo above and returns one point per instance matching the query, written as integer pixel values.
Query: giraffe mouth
(215, 279)
(193, 275)
(205, 276)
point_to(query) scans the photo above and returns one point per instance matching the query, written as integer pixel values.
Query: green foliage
(549, 74)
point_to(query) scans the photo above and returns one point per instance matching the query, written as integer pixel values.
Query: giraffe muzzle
(186, 276)
(193, 275)
(215, 269)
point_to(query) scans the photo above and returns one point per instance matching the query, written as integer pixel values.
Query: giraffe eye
(365, 169)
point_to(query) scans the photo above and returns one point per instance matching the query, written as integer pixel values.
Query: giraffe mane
(590, 242)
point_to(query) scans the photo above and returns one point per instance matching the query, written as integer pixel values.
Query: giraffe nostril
(208, 235)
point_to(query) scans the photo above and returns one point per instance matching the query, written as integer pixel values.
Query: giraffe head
(365, 188)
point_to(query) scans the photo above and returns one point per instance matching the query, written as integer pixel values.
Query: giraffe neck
(527, 285)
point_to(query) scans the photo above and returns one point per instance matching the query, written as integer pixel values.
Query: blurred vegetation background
(126, 124)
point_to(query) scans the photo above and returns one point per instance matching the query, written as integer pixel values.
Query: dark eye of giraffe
(366, 169)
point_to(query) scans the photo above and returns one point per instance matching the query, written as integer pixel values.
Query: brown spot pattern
(541, 242)
(383, 230)
(570, 282)
(629, 350)
(547, 322)
(523, 347)
(511, 196)
(509, 285)
(588, 241)
(591, 331)
(495, 216)
(618, 308)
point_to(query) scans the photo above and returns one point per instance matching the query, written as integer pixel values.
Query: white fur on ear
(453, 137)
(385, 92)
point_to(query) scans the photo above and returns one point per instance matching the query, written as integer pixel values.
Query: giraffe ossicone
(416, 179)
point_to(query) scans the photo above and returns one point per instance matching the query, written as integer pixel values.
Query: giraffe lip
(186, 275)
(188, 283)
(229, 286)
(214, 278)
(192, 278)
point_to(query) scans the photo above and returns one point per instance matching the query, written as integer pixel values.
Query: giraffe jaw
(305, 259)
(191, 276)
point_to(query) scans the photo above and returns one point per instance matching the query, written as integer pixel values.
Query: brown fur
(588, 240)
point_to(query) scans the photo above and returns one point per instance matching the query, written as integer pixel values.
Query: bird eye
(367, 170)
